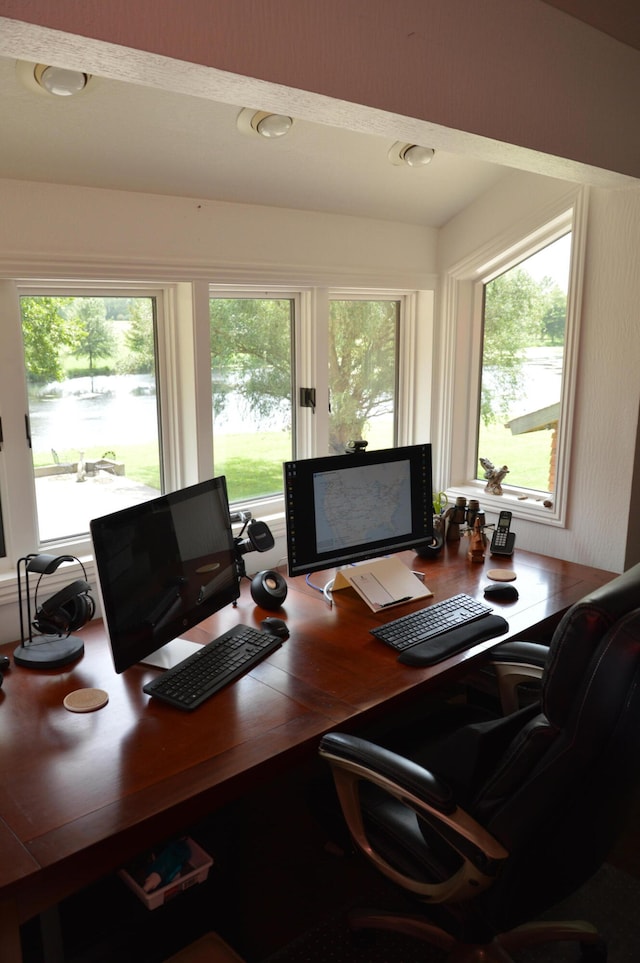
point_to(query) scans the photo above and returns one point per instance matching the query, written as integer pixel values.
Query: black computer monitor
(342, 509)
(163, 566)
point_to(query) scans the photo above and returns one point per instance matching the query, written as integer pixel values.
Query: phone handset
(503, 539)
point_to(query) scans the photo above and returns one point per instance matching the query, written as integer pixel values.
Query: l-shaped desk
(83, 793)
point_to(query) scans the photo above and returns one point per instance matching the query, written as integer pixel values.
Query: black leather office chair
(492, 822)
(514, 670)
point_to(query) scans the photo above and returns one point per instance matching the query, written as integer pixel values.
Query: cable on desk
(325, 589)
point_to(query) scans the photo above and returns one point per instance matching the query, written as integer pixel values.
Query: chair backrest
(557, 802)
(580, 631)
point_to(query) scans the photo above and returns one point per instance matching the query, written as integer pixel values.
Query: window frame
(460, 354)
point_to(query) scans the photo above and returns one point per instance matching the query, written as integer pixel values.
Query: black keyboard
(430, 621)
(199, 676)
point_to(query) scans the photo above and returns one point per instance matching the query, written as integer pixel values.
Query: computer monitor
(163, 566)
(342, 509)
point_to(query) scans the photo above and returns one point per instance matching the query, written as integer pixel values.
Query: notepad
(382, 583)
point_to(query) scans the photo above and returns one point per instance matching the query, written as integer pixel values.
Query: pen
(407, 598)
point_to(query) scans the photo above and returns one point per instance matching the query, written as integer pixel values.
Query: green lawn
(528, 456)
(253, 463)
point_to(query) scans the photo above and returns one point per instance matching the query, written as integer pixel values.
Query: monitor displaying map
(342, 509)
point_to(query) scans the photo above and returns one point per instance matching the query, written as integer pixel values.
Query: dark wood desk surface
(80, 794)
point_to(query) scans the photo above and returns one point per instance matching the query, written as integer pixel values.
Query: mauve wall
(521, 73)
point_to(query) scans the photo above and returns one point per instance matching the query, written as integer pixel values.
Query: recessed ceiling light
(49, 80)
(262, 123)
(410, 154)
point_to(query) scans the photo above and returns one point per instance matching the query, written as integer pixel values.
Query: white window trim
(459, 353)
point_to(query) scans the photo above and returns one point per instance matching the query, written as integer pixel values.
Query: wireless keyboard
(223, 660)
(430, 621)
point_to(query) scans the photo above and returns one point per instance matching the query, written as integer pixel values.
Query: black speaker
(269, 589)
(66, 611)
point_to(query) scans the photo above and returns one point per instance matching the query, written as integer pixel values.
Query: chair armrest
(514, 663)
(355, 761)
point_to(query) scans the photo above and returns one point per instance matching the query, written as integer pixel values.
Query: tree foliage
(519, 313)
(251, 352)
(251, 355)
(96, 334)
(362, 344)
(46, 332)
(139, 339)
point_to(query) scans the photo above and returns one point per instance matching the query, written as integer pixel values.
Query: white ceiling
(134, 138)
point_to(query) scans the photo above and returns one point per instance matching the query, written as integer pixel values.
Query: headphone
(66, 611)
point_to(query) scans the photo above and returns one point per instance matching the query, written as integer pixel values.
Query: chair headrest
(577, 637)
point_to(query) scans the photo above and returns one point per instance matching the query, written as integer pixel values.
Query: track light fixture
(413, 155)
(262, 123)
(54, 81)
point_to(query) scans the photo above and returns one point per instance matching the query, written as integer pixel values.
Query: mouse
(5, 662)
(275, 627)
(501, 592)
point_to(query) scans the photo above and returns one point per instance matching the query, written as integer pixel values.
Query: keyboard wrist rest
(455, 640)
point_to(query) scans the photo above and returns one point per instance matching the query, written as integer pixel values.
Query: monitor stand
(171, 653)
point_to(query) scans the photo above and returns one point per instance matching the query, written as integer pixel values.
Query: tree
(515, 305)
(251, 355)
(554, 320)
(139, 339)
(251, 352)
(46, 331)
(96, 335)
(362, 342)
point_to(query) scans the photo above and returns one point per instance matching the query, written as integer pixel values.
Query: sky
(552, 261)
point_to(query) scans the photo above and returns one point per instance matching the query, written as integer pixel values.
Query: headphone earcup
(66, 611)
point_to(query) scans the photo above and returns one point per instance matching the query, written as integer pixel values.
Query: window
(509, 364)
(258, 389)
(523, 345)
(93, 406)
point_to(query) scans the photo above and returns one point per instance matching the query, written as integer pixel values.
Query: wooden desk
(81, 794)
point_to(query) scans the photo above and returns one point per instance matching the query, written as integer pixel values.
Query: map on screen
(364, 503)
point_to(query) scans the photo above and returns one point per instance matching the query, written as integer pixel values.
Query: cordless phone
(503, 540)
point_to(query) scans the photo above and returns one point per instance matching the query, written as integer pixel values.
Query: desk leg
(51, 933)
(10, 945)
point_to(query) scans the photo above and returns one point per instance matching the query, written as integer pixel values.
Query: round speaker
(432, 548)
(269, 589)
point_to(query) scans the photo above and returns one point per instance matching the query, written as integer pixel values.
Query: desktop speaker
(269, 589)
(66, 611)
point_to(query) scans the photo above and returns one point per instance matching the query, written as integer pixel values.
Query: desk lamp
(55, 619)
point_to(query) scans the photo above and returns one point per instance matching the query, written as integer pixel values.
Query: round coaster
(501, 575)
(85, 700)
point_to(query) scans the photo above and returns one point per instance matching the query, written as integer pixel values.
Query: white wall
(608, 381)
(101, 233)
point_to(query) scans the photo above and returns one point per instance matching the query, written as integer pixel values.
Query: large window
(509, 365)
(523, 347)
(113, 392)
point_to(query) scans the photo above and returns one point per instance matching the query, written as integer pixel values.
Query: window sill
(526, 505)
